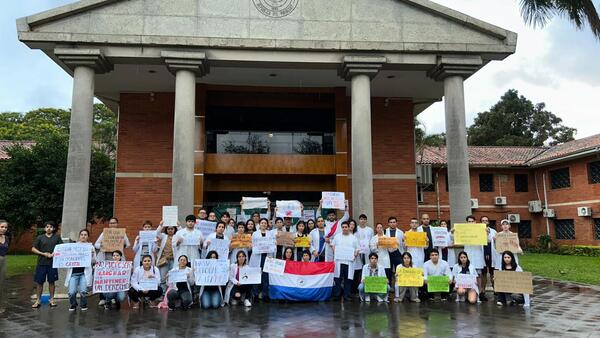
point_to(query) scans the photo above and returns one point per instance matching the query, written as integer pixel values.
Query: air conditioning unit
(474, 203)
(584, 211)
(549, 213)
(500, 200)
(514, 218)
(424, 174)
(535, 206)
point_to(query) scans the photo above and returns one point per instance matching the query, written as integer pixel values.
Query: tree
(423, 139)
(516, 121)
(579, 12)
(308, 147)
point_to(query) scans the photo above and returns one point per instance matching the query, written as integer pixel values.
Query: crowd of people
(170, 253)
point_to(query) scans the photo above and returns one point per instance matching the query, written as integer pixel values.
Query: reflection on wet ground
(558, 310)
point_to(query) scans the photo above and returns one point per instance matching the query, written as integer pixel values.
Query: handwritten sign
(147, 236)
(191, 237)
(376, 285)
(112, 276)
(465, 281)
(72, 255)
(344, 253)
(302, 242)
(275, 266)
(513, 282)
(385, 242)
(113, 239)
(221, 246)
(438, 284)
(289, 209)
(178, 276)
(333, 200)
(439, 235)
(205, 227)
(250, 276)
(211, 271)
(169, 215)
(409, 277)
(415, 239)
(149, 284)
(470, 234)
(255, 203)
(508, 241)
(285, 238)
(363, 246)
(262, 245)
(241, 241)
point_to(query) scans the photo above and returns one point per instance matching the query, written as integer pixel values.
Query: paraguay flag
(303, 282)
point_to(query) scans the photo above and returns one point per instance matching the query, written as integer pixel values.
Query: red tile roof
(4, 145)
(570, 148)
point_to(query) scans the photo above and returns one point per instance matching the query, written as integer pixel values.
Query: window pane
(560, 178)
(597, 228)
(521, 183)
(564, 229)
(594, 172)
(486, 182)
(524, 229)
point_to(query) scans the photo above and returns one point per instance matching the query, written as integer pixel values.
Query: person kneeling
(510, 264)
(114, 298)
(236, 291)
(436, 267)
(181, 291)
(401, 290)
(464, 267)
(144, 283)
(372, 269)
(211, 297)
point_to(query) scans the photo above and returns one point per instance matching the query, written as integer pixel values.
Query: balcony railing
(245, 142)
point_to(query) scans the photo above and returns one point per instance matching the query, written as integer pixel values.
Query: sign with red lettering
(72, 255)
(112, 276)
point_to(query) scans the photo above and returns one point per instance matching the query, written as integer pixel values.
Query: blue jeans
(210, 299)
(361, 291)
(78, 283)
(118, 296)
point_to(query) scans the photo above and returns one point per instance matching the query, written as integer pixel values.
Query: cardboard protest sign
(169, 215)
(72, 255)
(241, 241)
(440, 237)
(255, 203)
(386, 242)
(288, 209)
(415, 239)
(221, 246)
(112, 276)
(376, 284)
(513, 282)
(178, 276)
(275, 266)
(333, 200)
(205, 227)
(113, 239)
(409, 277)
(507, 241)
(343, 253)
(302, 242)
(211, 271)
(147, 236)
(438, 284)
(470, 234)
(262, 245)
(465, 281)
(251, 276)
(286, 238)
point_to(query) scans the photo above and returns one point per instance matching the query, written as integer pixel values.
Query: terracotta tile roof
(4, 144)
(569, 148)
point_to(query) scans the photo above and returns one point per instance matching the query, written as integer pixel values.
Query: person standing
(344, 272)
(393, 231)
(476, 257)
(80, 279)
(188, 241)
(165, 258)
(317, 241)
(4, 243)
(113, 222)
(487, 258)
(44, 247)
(332, 228)
(425, 226)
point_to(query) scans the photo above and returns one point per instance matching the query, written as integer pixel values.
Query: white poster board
(178, 276)
(255, 203)
(112, 276)
(169, 215)
(72, 255)
(147, 236)
(333, 200)
(344, 253)
(308, 214)
(191, 238)
(211, 272)
(288, 209)
(262, 245)
(465, 281)
(149, 284)
(440, 237)
(251, 276)
(205, 227)
(221, 246)
(275, 266)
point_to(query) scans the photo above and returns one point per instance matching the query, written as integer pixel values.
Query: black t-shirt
(46, 244)
(78, 270)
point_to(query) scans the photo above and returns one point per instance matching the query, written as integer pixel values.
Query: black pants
(182, 294)
(244, 290)
(505, 297)
(347, 282)
(135, 295)
(356, 281)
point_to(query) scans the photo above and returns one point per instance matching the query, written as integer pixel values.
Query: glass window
(564, 229)
(560, 178)
(596, 228)
(486, 182)
(247, 142)
(594, 172)
(524, 229)
(521, 183)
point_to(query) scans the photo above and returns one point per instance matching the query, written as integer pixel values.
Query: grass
(20, 264)
(569, 268)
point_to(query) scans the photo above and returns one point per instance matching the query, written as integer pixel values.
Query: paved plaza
(559, 310)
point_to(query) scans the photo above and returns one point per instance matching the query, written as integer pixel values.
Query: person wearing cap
(497, 256)
(163, 249)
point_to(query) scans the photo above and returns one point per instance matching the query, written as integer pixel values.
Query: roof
(5, 144)
(514, 156)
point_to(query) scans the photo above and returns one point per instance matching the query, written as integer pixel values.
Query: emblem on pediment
(276, 8)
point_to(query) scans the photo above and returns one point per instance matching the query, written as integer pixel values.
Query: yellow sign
(241, 241)
(302, 242)
(415, 239)
(470, 234)
(387, 242)
(412, 277)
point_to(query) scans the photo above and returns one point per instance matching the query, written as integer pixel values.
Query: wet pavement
(558, 310)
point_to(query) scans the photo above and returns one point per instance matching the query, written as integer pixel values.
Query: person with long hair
(509, 263)
(211, 296)
(114, 299)
(383, 254)
(181, 291)
(300, 232)
(165, 257)
(237, 292)
(141, 249)
(413, 291)
(258, 260)
(465, 267)
(143, 280)
(79, 279)
(4, 243)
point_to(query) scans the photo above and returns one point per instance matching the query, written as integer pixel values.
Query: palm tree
(539, 12)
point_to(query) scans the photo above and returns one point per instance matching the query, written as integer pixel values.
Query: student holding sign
(477, 256)
(383, 253)
(107, 246)
(512, 245)
(180, 288)
(79, 279)
(413, 291)
(436, 267)
(364, 234)
(143, 246)
(114, 299)
(417, 252)
(236, 291)
(258, 258)
(188, 241)
(345, 248)
(145, 283)
(44, 247)
(317, 241)
(240, 237)
(301, 233)
(332, 228)
(278, 232)
(211, 296)
(164, 252)
(464, 267)
(216, 237)
(509, 263)
(372, 269)
(394, 232)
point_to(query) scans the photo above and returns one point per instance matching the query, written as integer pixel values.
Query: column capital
(195, 62)
(361, 65)
(463, 66)
(80, 57)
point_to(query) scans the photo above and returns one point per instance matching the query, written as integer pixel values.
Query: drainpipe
(546, 204)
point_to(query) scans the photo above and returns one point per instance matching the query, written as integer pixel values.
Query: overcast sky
(557, 65)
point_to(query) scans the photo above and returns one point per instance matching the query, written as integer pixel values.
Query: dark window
(429, 187)
(521, 183)
(486, 182)
(524, 229)
(560, 178)
(446, 181)
(597, 228)
(594, 172)
(564, 229)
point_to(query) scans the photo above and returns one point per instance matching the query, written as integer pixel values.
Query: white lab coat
(382, 253)
(101, 255)
(345, 241)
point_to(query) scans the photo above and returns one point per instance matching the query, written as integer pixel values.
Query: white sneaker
(101, 302)
(379, 299)
(367, 299)
(247, 303)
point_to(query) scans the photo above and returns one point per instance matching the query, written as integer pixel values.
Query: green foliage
(308, 147)
(255, 145)
(579, 12)
(569, 268)
(20, 264)
(423, 139)
(516, 121)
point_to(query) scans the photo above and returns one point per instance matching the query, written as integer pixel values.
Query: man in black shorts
(43, 246)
